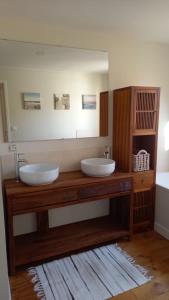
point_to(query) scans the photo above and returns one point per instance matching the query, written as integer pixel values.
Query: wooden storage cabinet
(71, 188)
(135, 126)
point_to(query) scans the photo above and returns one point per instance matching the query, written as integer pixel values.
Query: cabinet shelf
(142, 111)
(142, 206)
(146, 142)
(66, 239)
(144, 172)
(144, 133)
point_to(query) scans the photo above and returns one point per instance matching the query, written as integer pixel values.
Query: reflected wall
(45, 88)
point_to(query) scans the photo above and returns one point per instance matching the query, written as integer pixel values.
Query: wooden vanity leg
(131, 213)
(42, 221)
(10, 240)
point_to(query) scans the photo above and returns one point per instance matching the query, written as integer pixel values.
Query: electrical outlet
(12, 147)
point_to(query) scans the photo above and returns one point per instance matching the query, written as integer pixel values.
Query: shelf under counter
(66, 239)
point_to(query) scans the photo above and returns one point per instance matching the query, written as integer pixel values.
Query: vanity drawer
(105, 189)
(26, 203)
(143, 180)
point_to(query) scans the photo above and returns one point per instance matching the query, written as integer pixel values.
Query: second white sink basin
(39, 174)
(97, 167)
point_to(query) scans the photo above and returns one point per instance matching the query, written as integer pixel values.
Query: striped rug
(97, 274)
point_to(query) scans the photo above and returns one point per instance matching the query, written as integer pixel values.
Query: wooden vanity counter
(70, 188)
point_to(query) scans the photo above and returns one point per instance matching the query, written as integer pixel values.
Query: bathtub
(162, 204)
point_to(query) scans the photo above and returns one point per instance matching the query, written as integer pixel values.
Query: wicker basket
(141, 161)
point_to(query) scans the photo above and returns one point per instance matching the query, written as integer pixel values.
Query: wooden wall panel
(104, 98)
(122, 141)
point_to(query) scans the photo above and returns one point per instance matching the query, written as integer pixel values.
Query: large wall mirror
(50, 92)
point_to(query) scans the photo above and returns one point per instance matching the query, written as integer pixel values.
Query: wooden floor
(149, 250)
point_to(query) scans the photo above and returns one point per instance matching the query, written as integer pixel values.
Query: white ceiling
(37, 56)
(142, 18)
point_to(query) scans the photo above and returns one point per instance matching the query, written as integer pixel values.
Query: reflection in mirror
(50, 92)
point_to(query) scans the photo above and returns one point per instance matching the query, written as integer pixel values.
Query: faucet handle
(107, 152)
(18, 160)
(22, 160)
(19, 154)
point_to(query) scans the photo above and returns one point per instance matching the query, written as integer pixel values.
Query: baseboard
(162, 230)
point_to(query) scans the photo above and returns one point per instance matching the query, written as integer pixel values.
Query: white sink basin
(39, 174)
(97, 167)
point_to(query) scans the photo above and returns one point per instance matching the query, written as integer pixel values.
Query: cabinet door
(145, 106)
(143, 210)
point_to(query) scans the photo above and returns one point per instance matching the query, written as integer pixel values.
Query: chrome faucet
(18, 163)
(107, 152)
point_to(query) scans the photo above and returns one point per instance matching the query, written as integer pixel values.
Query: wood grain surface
(149, 250)
(66, 179)
(71, 188)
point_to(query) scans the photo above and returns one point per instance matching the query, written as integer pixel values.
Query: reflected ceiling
(37, 56)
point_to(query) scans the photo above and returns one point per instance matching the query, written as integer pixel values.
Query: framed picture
(61, 102)
(31, 101)
(88, 101)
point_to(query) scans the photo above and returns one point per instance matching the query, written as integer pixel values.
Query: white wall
(131, 63)
(4, 284)
(162, 204)
(161, 211)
